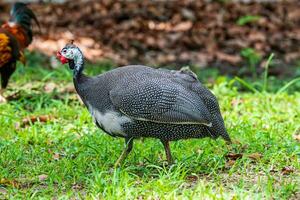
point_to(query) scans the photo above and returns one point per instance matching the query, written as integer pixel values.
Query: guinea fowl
(138, 101)
(15, 36)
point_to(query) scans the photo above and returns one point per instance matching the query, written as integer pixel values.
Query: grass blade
(286, 86)
(247, 85)
(266, 72)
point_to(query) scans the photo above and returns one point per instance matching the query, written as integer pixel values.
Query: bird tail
(218, 129)
(226, 137)
(22, 15)
(223, 132)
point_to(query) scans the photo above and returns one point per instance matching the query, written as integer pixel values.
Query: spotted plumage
(139, 101)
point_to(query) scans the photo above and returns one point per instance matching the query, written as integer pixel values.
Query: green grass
(257, 122)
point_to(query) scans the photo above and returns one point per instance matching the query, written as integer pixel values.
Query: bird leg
(125, 152)
(2, 98)
(6, 71)
(168, 151)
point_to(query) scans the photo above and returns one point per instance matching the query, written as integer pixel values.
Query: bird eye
(64, 51)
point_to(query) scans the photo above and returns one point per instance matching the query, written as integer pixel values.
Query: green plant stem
(246, 84)
(286, 86)
(266, 72)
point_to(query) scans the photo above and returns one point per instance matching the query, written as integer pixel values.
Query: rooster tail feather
(22, 15)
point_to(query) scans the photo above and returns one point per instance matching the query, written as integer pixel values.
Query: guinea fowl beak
(62, 59)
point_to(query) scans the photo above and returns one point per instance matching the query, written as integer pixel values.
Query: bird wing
(5, 49)
(160, 101)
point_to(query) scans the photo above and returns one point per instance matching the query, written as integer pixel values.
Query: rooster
(15, 36)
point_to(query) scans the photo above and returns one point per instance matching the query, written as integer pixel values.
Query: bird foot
(2, 99)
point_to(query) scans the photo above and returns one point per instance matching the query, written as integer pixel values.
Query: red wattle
(62, 59)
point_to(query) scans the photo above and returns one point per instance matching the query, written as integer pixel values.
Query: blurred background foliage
(214, 37)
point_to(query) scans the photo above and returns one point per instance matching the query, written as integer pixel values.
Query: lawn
(63, 155)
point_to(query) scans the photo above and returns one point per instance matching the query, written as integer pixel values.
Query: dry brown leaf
(233, 59)
(192, 178)
(188, 14)
(7, 182)
(69, 88)
(3, 191)
(42, 177)
(256, 36)
(32, 119)
(77, 186)
(297, 137)
(140, 198)
(255, 156)
(273, 170)
(234, 156)
(236, 102)
(50, 87)
(235, 141)
(56, 156)
(287, 170)
(14, 96)
(237, 30)
(290, 56)
(229, 163)
(17, 125)
(88, 42)
(293, 15)
(183, 26)
(116, 25)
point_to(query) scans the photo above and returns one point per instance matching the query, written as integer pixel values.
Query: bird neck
(77, 65)
(79, 78)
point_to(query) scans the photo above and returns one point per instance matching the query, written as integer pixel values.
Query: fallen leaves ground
(173, 32)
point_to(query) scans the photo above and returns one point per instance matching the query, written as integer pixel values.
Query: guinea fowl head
(72, 54)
